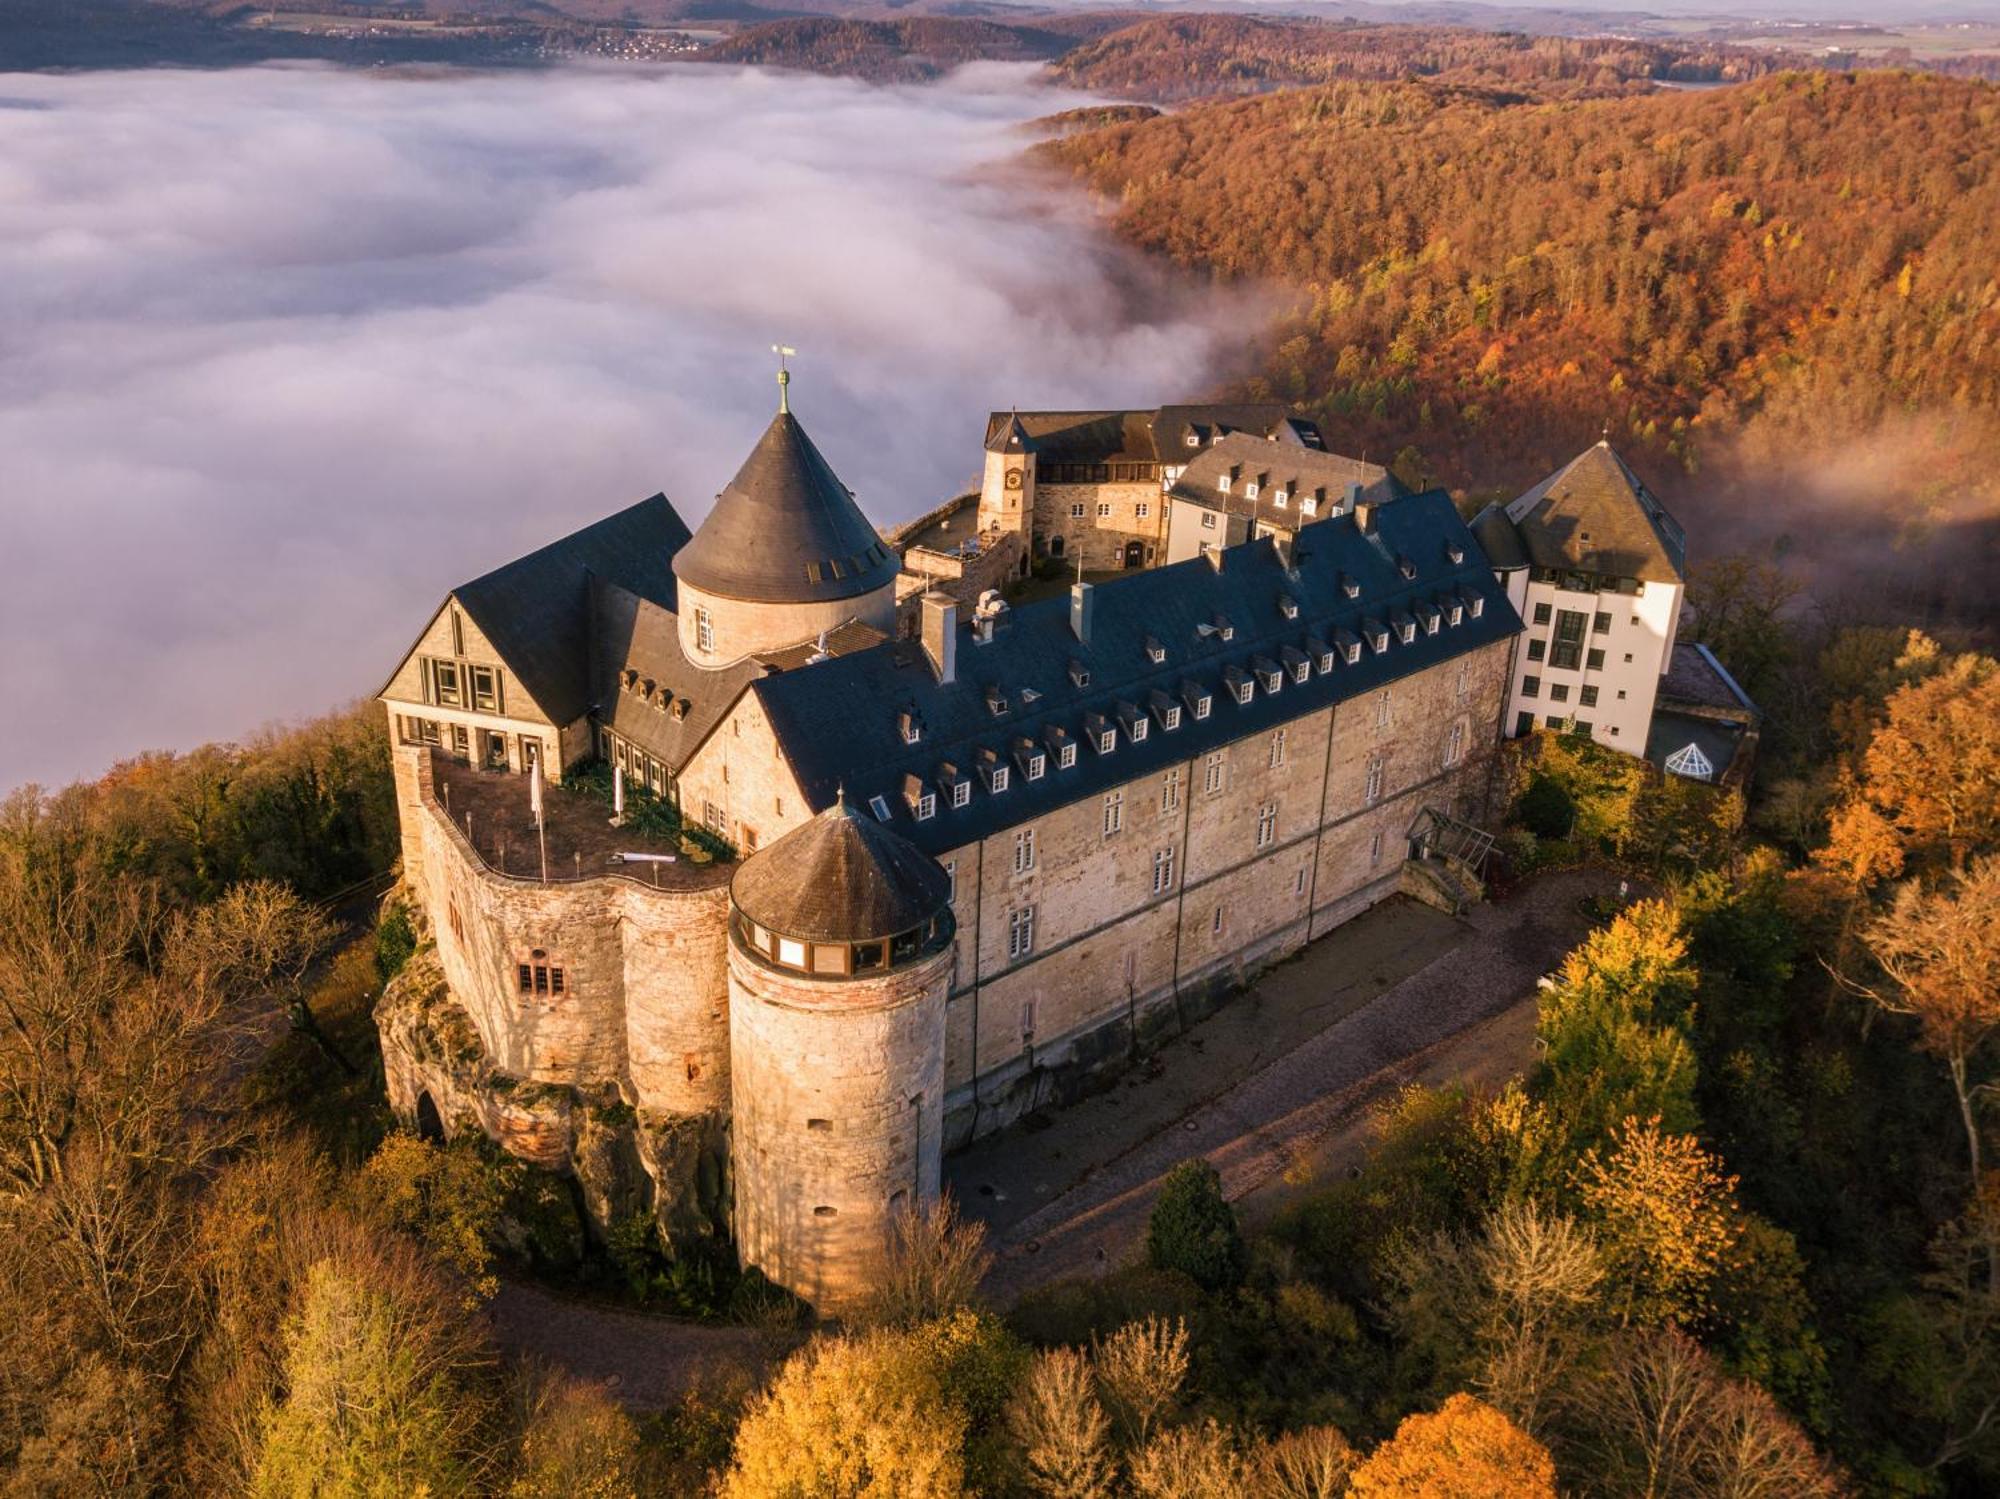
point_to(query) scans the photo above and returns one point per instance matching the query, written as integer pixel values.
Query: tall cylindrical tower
(840, 957)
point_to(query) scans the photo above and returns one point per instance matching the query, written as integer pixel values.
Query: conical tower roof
(843, 877)
(1595, 515)
(785, 530)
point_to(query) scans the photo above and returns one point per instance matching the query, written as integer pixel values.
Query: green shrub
(395, 941)
(1193, 1228)
(1545, 809)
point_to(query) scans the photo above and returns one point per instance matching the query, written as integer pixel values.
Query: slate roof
(1143, 436)
(785, 530)
(1594, 515)
(1498, 538)
(841, 640)
(1300, 473)
(843, 877)
(1694, 678)
(837, 722)
(645, 690)
(537, 609)
(1672, 732)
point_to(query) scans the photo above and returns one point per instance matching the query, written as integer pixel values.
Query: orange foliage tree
(1464, 1450)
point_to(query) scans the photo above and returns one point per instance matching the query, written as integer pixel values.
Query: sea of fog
(287, 352)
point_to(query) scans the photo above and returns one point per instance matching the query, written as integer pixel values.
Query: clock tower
(1007, 492)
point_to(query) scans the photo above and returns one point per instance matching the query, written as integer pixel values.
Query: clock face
(1013, 478)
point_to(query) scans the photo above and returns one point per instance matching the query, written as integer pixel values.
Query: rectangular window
(1373, 793)
(1142, 510)
(1277, 748)
(527, 977)
(951, 880)
(1524, 724)
(1568, 649)
(1587, 696)
(1382, 709)
(1163, 870)
(1024, 850)
(1375, 849)
(1215, 922)
(1553, 720)
(1464, 680)
(1537, 649)
(1454, 744)
(1601, 624)
(1583, 726)
(704, 631)
(1531, 687)
(1037, 765)
(555, 981)
(1104, 510)
(1066, 756)
(1299, 882)
(445, 684)
(485, 689)
(1076, 510)
(1021, 932)
(1594, 660)
(1170, 790)
(1212, 773)
(1208, 520)
(1114, 813)
(1558, 692)
(1267, 824)
(1027, 1019)
(1541, 614)
(961, 793)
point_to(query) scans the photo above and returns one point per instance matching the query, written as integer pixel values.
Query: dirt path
(648, 1360)
(1467, 1012)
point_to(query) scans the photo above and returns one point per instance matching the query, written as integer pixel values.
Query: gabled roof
(1299, 473)
(536, 609)
(837, 722)
(1144, 436)
(645, 689)
(1594, 515)
(785, 530)
(843, 877)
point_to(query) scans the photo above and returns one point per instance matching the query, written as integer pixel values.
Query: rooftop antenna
(784, 352)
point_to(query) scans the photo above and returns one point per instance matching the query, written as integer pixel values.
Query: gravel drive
(1284, 1112)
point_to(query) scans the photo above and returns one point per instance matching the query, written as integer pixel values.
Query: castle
(899, 862)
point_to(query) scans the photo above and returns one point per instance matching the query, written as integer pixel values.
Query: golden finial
(784, 351)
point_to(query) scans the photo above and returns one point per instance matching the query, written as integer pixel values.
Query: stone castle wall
(836, 1117)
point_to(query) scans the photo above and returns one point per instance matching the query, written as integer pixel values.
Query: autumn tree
(1666, 1217)
(1939, 950)
(1189, 1462)
(1063, 1432)
(937, 1259)
(1463, 1450)
(1314, 1463)
(1931, 772)
(1140, 1370)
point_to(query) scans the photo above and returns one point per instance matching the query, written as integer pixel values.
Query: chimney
(1364, 517)
(1283, 543)
(940, 634)
(1353, 495)
(1082, 604)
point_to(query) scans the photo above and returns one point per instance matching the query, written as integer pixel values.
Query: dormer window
(1279, 497)
(1456, 614)
(1297, 662)
(1405, 566)
(996, 701)
(1238, 683)
(921, 799)
(956, 786)
(880, 807)
(630, 678)
(1350, 586)
(1316, 650)
(1378, 638)
(1155, 652)
(1250, 490)
(910, 726)
(1288, 606)
(1193, 438)
(1066, 756)
(1223, 627)
(1406, 629)
(1478, 605)
(1350, 647)
(1222, 482)
(1079, 674)
(1135, 722)
(1308, 506)
(1268, 673)
(1034, 763)
(1165, 709)
(1432, 619)
(1101, 731)
(1454, 553)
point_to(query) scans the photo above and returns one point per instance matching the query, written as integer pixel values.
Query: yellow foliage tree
(1667, 1219)
(1464, 1450)
(1932, 771)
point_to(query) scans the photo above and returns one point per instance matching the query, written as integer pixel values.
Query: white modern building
(1597, 568)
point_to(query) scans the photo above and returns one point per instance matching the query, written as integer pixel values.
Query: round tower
(840, 950)
(785, 554)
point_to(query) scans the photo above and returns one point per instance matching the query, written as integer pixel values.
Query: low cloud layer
(289, 352)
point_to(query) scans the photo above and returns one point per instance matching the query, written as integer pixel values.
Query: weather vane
(784, 352)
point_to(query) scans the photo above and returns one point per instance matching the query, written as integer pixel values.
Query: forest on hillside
(1779, 298)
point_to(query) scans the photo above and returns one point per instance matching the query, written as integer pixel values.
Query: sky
(289, 352)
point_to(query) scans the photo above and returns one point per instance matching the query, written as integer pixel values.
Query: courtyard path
(1467, 1012)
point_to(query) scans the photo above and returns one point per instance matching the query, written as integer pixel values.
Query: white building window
(1170, 791)
(1382, 709)
(951, 881)
(1142, 510)
(1027, 1019)
(1020, 932)
(1267, 824)
(961, 793)
(1277, 748)
(1024, 850)
(1163, 870)
(1215, 922)
(1464, 680)
(1454, 744)
(1114, 813)
(1373, 793)
(1076, 510)
(1212, 773)
(1375, 849)
(704, 631)
(1104, 510)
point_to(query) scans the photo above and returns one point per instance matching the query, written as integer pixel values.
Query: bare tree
(1311, 1464)
(1062, 1428)
(1189, 1462)
(935, 1264)
(1140, 1370)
